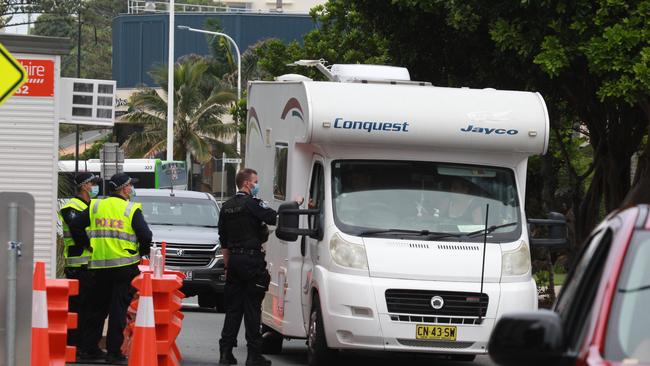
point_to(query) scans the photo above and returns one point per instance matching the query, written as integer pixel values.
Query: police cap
(121, 180)
(86, 177)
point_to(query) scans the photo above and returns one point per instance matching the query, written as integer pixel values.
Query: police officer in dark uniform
(242, 231)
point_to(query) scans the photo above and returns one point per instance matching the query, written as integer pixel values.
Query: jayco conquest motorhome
(389, 251)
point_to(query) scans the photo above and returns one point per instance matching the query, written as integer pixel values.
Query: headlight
(516, 262)
(217, 252)
(348, 254)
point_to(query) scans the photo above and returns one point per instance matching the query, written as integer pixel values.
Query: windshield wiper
(394, 231)
(628, 290)
(489, 229)
(430, 235)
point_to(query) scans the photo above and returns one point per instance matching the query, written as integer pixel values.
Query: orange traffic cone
(143, 346)
(40, 337)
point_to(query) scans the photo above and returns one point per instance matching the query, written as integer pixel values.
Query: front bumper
(356, 316)
(210, 279)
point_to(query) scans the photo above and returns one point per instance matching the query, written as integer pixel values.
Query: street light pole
(170, 85)
(238, 66)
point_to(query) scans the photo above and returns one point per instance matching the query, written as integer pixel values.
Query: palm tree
(200, 102)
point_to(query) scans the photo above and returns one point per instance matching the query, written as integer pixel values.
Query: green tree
(200, 102)
(96, 33)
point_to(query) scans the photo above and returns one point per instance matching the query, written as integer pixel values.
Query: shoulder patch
(263, 204)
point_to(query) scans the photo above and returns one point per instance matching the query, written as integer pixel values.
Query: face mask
(132, 193)
(255, 190)
(94, 191)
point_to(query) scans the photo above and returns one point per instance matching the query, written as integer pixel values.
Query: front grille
(435, 319)
(419, 302)
(188, 261)
(434, 344)
(189, 255)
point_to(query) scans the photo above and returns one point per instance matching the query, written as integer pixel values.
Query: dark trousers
(246, 285)
(110, 296)
(78, 304)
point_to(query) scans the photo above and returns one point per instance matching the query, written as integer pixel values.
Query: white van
(389, 252)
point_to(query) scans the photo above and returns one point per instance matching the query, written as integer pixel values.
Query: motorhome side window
(425, 197)
(280, 171)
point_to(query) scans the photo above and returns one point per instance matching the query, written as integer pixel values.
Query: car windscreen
(371, 195)
(167, 210)
(628, 331)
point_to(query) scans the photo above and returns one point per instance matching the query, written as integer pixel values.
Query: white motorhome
(390, 252)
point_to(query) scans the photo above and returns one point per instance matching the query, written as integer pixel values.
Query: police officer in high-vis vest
(119, 235)
(76, 250)
(242, 231)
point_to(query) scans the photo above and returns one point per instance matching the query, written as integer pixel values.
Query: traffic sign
(232, 160)
(13, 74)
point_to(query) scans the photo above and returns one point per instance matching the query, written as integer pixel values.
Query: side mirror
(531, 339)
(549, 233)
(288, 222)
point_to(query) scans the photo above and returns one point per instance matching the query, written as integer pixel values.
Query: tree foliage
(96, 33)
(200, 102)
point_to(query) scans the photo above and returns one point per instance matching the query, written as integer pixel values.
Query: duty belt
(246, 251)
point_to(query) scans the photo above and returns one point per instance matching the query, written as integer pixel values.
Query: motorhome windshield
(433, 201)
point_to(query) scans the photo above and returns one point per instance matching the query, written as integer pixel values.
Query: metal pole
(12, 268)
(170, 85)
(103, 171)
(238, 68)
(223, 172)
(76, 149)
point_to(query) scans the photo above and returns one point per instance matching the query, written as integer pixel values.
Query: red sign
(40, 82)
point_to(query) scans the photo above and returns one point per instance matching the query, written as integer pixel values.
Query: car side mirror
(531, 339)
(288, 222)
(549, 233)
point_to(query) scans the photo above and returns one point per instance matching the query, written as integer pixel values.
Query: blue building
(140, 41)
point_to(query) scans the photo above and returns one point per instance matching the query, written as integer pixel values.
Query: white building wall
(292, 6)
(29, 134)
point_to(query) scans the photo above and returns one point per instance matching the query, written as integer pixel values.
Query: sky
(21, 29)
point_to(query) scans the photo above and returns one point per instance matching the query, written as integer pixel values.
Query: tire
(318, 354)
(207, 300)
(271, 341)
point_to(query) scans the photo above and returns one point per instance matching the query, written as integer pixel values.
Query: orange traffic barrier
(59, 320)
(144, 346)
(168, 316)
(40, 342)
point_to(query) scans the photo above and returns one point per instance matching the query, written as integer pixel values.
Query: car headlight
(516, 262)
(348, 254)
(217, 252)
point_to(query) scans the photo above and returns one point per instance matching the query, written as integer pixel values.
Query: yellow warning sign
(13, 74)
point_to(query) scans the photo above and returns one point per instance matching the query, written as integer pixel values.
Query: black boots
(227, 358)
(256, 359)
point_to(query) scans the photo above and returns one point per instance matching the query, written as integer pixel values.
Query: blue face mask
(132, 193)
(255, 190)
(94, 191)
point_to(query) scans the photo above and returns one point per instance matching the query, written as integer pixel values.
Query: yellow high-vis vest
(112, 238)
(73, 261)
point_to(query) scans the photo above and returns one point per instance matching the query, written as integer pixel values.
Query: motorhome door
(309, 246)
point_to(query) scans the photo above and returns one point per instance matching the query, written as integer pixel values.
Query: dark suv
(601, 316)
(187, 222)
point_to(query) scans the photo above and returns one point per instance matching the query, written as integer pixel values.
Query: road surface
(201, 328)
